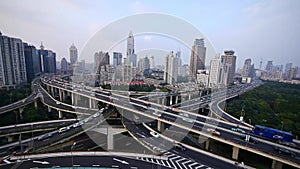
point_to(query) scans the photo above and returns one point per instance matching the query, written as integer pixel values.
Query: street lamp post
(71, 153)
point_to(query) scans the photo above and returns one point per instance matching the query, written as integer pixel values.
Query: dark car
(282, 150)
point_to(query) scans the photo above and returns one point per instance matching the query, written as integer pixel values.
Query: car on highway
(179, 146)
(282, 150)
(96, 114)
(63, 129)
(45, 136)
(213, 131)
(156, 113)
(154, 134)
(238, 130)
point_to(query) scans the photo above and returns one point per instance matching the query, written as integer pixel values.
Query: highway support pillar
(207, 144)
(176, 99)
(163, 101)
(110, 139)
(276, 164)
(10, 138)
(160, 126)
(60, 115)
(52, 91)
(35, 105)
(60, 95)
(190, 96)
(49, 109)
(90, 103)
(235, 153)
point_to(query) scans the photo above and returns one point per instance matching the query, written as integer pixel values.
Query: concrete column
(60, 115)
(52, 91)
(158, 100)
(160, 126)
(35, 104)
(190, 96)
(90, 103)
(110, 139)
(10, 138)
(207, 144)
(235, 153)
(176, 99)
(276, 164)
(163, 102)
(60, 95)
(171, 100)
(49, 109)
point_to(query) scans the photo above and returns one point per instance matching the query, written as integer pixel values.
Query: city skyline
(253, 29)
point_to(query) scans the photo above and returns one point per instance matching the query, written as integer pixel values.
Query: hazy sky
(267, 30)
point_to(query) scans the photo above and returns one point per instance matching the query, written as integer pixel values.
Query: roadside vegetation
(273, 104)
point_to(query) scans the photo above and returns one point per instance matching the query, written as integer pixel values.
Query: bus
(272, 133)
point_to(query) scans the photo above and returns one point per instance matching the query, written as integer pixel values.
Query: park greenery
(273, 104)
(29, 114)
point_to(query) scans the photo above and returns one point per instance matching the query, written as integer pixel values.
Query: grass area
(273, 104)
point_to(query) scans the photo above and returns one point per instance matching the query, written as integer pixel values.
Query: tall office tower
(288, 66)
(12, 62)
(152, 64)
(117, 58)
(143, 64)
(64, 65)
(246, 68)
(48, 60)
(270, 67)
(228, 61)
(131, 56)
(73, 54)
(33, 62)
(214, 72)
(171, 69)
(197, 60)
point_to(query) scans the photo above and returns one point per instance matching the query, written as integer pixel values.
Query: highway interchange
(179, 117)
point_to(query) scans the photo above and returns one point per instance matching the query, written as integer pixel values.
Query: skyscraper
(131, 56)
(12, 62)
(152, 64)
(214, 72)
(64, 65)
(73, 54)
(246, 68)
(270, 67)
(117, 58)
(48, 60)
(171, 69)
(228, 61)
(143, 64)
(33, 62)
(197, 60)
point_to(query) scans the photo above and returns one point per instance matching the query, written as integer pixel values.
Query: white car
(154, 134)
(63, 129)
(213, 132)
(157, 114)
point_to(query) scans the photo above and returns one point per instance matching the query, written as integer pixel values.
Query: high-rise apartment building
(228, 62)
(152, 64)
(73, 54)
(197, 60)
(48, 59)
(171, 69)
(117, 58)
(143, 64)
(33, 62)
(64, 65)
(214, 72)
(270, 67)
(12, 62)
(246, 68)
